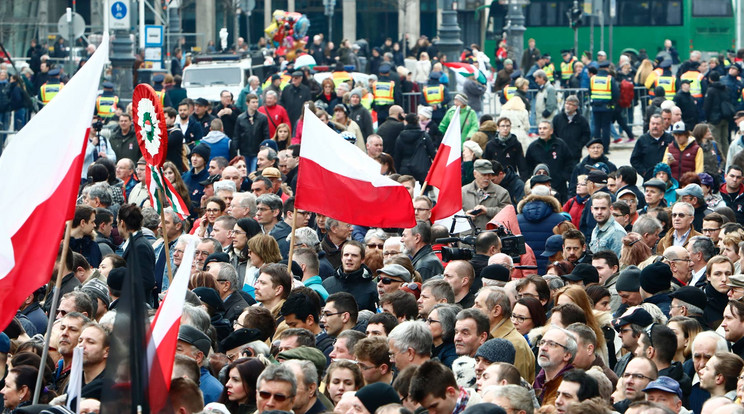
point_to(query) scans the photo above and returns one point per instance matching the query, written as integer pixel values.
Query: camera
(511, 244)
(98, 125)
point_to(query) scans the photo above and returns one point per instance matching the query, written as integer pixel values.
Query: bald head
(395, 111)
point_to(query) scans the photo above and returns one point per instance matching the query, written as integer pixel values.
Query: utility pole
(515, 30)
(330, 5)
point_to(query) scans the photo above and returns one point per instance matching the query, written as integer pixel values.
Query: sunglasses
(373, 245)
(277, 397)
(387, 280)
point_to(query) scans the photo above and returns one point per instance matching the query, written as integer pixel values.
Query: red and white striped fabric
(163, 336)
(41, 175)
(337, 179)
(446, 172)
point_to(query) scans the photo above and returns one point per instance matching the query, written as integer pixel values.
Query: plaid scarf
(462, 401)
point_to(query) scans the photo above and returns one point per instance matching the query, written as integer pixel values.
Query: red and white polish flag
(41, 175)
(337, 179)
(446, 172)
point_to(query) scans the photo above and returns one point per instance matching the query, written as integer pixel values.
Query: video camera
(511, 244)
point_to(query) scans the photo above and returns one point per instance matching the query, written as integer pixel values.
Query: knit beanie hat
(656, 278)
(497, 350)
(539, 167)
(374, 396)
(663, 167)
(203, 150)
(629, 280)
(473, 146)
(249, 226)
(357, 92)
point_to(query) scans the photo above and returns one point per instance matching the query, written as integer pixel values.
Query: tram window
(712, 8)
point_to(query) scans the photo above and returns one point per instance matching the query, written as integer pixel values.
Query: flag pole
(292, 240)
(52, 312)
(423, 188)
(165, 233)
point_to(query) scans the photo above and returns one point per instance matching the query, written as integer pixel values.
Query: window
(550, 13)
(649, 13)
(712, 8)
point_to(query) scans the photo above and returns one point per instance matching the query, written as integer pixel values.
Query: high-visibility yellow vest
(669, 85)
(651, 80)
(106, 106)
(549, 69)
(434, 95)
(367, 100)
(161, 95)
(695, 77)
(49, 91)
(384, 92)
(339, 77)
(509, 91)
(567, 68)
(601, 87)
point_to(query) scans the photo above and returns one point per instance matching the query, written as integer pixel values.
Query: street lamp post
(449, 32)
(515, 30)
(122, 60)
(330, 5)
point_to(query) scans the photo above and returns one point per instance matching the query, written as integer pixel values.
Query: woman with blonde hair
(644, 70)
(634, 250)
(422, 69)
(576, 295)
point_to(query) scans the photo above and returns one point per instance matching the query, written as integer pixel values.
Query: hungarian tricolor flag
(467, 70)
(163, 336)
(155, 180)
(446, 172)
(337, 179)
(41, 174)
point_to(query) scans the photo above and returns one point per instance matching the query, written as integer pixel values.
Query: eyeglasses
(519, 319)
(636, 376)
(375, 245)
(277, 397)
(710, 230)
(550, 344)
(213, 210)
(431, 321)
(390, 253)
(617, 214)
(304, 213)
(364, 367)
(236, 232)
(678, 260)
(648, 334)
(680, 215)
(387, 280)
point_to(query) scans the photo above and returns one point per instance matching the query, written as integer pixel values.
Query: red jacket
(574, 207)
(277, 115)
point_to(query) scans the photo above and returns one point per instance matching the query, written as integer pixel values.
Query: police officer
(604, 95)
(510, 90)
(106, 102)
(340, 75)
(733, 84)
(157, 84)
(386, 93)
(549, 68)
(698, 84)
(51, 87)
(436, 96)
(667, 80)
(567, 67)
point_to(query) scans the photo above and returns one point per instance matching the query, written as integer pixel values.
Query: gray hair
(229, 274)
(330, 223)
(309, 372)
(704, 245)
(259, 348)
(721, 344)
(572, 98)
(196, 316)
(270, 152)
(174, 216)
(517, 395)
(571, 346)
(412, 334)
(272, 93)
(272, 201)
(554, 282)
(691, 309)
(246, 200)
(308, 237)
(102, 193)
(278, 373)
(224, 185)
(540, 74)
(584, 333)
(497, 296)
(252, 78)
(440, 289)
(150, 218)
(688, 206)
(378, 233)
(447, 318)
(216, 245)
(647, 224)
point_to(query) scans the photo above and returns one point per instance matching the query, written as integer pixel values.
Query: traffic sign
(119, 15)
(76, 25)
(153, 36)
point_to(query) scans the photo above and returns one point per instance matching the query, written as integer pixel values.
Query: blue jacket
(219, 143)
(210, 386)
(316, 283)
(662, 300)
(191, 179)
(537, 217)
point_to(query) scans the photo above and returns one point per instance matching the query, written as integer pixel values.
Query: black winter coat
(556, 155)
(581, 169)
(508, 153)
(576, 133)
(409, 142)
(648, 152)
(389, 131)
(293, 98)
(686, 104)
(248, 136)
(716, 95)
(140, 258)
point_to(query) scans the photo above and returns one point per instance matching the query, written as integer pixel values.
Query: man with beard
(608, 233)
(574, 247)
(189, 127)
(95, 343)
(353, 277)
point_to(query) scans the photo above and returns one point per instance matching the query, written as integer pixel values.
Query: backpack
(419, 163)
(626, 94)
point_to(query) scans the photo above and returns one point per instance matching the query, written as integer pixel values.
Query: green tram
(705, 25)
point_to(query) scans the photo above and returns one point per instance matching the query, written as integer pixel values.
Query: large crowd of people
(616, 303)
